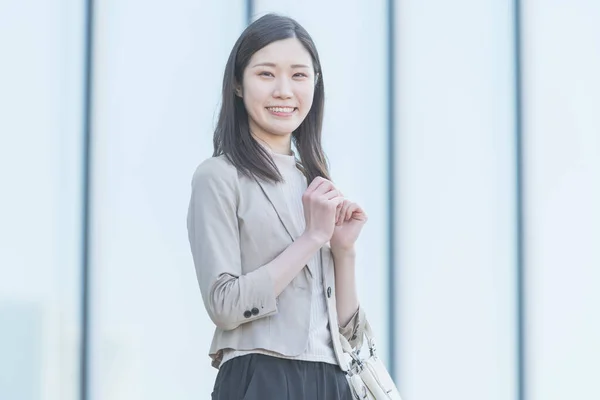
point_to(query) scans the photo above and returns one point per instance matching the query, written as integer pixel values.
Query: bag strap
(368, 333)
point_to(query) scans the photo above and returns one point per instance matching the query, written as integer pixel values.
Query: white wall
(41, 92)
(562, 208)
(456, 203)
(159, 67)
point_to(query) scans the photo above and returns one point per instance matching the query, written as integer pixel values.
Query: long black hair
(232, 135)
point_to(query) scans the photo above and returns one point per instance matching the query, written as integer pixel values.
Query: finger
(338, 211)
(318, 181)
(351, 208)
(325, 188)
(359, 214)
(343, 212)
(336, 201)
(332, 194)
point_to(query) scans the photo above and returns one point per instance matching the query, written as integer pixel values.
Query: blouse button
(329, 291)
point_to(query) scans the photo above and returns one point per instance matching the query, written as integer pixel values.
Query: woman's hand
(350, 219)
(321, 202)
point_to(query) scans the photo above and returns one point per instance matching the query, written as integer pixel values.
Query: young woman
(271, 236)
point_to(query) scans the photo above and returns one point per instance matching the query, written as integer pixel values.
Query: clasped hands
(331, 217)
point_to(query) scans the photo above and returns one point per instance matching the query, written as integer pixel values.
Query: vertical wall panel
(562, 209)
(354, 132)
(41, 87)
(455, 189)
(158, 72)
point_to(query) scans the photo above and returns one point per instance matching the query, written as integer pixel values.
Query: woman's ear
(238, 90)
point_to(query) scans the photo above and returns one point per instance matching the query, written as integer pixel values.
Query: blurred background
(468, 130)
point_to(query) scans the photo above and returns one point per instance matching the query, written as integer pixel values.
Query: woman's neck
(278, 144)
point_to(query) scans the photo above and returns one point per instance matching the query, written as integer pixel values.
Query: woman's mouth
(282, 111)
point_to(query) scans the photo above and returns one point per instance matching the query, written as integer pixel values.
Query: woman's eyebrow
(269, 64)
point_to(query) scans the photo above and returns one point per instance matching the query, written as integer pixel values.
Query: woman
(274, 255)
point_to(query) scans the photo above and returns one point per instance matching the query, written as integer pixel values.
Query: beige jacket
(235, 226)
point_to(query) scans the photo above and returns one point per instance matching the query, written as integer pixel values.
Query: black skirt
(262, 377)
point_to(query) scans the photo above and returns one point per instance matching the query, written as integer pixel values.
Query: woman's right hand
(321, 201)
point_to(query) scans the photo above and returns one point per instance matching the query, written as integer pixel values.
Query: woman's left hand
(350, 219)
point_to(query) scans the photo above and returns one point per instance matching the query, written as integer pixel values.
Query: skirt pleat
(262, 377)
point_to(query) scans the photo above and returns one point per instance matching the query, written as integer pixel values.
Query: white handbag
(368, 378)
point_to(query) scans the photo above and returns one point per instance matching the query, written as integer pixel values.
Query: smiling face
(278, 89)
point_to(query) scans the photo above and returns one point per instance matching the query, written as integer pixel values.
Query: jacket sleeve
(230, 297)
(353, 331)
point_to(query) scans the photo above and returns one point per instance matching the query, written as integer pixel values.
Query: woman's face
(278, 88)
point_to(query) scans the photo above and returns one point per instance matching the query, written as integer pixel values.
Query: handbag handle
(369, 375)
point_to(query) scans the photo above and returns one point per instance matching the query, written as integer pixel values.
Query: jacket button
(247, 314)
(329, 291)
(255, 311)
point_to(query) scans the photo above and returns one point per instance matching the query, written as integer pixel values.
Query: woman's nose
(283, 89)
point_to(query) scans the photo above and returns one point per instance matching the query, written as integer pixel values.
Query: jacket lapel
(273, 193)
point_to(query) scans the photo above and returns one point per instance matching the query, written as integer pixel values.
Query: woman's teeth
(281, 109)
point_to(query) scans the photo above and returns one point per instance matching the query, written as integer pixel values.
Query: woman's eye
(266, 73)
(300, 75)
